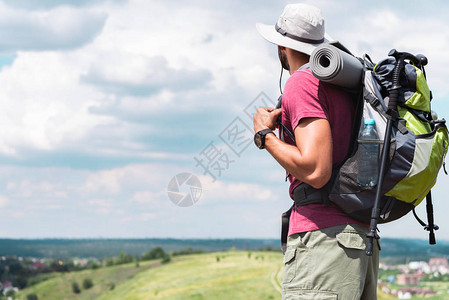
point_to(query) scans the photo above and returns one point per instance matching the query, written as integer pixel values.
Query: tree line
(23, 272)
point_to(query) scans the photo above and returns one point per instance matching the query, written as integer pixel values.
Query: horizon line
(176, 238)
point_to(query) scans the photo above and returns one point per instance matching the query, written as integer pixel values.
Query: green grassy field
(212, 276)
(60, 286)
(228, 275)
(224, 275)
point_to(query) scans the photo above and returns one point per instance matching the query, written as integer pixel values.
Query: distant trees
(76, 288)
(124, 258)
(109, 261)
(157, 253)
(187, 251)
(60, 266)
(166, 259)
(87, 283)
(154, 253)
(32, 297)
(10, 293)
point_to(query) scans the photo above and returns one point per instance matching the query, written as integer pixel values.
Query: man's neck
(296, 64)
(295, 60)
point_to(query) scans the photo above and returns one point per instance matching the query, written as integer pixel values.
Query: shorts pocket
(289, 265)
(351, 240)
(309, 295)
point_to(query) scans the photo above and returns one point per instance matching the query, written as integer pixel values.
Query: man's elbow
(319, 178)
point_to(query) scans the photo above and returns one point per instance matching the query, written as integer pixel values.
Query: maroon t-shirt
(305, 96)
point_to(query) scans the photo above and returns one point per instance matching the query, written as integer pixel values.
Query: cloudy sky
(103, 103)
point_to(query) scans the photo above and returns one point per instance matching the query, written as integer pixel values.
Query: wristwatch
(259, 137)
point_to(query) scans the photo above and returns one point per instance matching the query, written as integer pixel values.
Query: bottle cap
(434, 115)
(369, 121)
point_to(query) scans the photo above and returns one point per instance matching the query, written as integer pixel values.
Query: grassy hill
(213, 276)
(223, 275)
(59, 286)
(226, 275)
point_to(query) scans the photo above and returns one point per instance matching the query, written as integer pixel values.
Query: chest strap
(303, 195)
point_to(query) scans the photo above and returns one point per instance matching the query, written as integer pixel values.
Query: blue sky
(104, 102)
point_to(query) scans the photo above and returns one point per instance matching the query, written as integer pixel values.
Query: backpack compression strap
(431, 227)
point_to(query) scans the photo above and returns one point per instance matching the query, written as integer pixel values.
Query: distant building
(383, 266)
(419, 266)
(404, 295)
(8, 286)
(37, 266)
(81, 262)
(438, 264)
(409, 279)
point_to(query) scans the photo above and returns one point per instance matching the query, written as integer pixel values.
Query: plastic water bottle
(368, 169)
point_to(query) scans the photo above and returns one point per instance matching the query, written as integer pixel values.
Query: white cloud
(48, 4)
(107, 181)
(59, 28)
(95, 81)
(3, 201)
(140, 217)
(141, 68)
(136, 75)
(18, 214)
(133, 201)
(424, 35)
(100, 202)
(27, 188)
(43, 107)
(113, 181)
(231, 192)
(147, 197)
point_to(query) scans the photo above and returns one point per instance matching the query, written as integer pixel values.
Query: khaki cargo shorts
(330, 264)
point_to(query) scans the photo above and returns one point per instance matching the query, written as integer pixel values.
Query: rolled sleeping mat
(330, 64)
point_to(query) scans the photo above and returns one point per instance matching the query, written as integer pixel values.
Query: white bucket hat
(300, 27)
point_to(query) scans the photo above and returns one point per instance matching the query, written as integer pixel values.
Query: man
(325, 254)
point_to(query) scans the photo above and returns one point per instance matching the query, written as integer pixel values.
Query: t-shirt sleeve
(303, 98)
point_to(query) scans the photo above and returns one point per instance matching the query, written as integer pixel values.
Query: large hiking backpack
(418, 143)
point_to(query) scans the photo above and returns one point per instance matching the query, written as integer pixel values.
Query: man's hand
(266, 117)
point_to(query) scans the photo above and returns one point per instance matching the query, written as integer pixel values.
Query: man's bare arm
(310, 161)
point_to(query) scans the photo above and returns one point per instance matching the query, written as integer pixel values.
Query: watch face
(258, 140)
